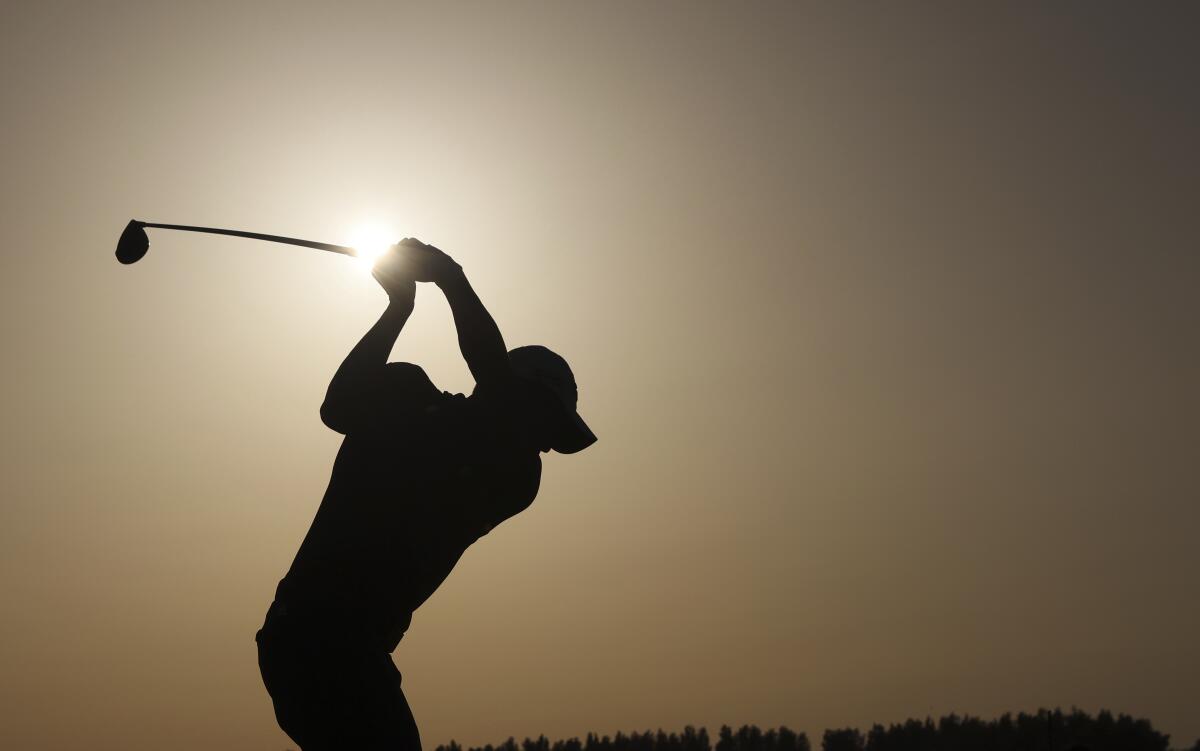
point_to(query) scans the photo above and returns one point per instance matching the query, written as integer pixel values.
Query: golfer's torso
(404, 503)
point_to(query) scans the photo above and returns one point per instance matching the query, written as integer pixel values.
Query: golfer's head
(556, 396)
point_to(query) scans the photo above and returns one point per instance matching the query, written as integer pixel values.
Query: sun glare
(371, 241)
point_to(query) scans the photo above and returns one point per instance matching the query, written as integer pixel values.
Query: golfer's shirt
(422, 476)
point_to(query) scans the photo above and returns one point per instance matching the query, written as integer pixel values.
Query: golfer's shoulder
(500, 400)
(408, 380)
(499, 387)
(405, 370)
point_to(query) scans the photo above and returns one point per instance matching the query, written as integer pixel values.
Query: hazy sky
(885, 315)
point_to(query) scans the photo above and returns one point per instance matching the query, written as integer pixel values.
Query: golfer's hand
(392, 273)
(424, 262)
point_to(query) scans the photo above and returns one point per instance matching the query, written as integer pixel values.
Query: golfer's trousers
(330, 691)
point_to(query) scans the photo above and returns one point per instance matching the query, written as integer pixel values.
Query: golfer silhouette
(421, 475)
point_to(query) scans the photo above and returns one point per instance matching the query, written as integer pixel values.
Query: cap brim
(575, 435)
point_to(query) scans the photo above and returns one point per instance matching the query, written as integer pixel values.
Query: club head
(133, 243)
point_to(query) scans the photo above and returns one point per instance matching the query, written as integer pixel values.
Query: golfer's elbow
(335, 417)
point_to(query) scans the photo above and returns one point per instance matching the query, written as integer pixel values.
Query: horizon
(1072, 730)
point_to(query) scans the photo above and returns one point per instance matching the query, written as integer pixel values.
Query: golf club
(134, 242)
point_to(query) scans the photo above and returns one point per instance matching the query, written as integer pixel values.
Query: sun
(371, 241)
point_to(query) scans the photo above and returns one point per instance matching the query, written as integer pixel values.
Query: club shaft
(344, 250)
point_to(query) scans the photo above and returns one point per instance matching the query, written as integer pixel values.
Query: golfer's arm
(349, 394)
(479, 337)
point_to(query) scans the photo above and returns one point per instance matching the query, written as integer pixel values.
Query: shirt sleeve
(405, 386)
(401, 392)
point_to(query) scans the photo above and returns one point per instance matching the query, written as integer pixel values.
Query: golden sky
(885, 315)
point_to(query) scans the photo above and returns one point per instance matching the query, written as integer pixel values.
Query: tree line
(1044, 730)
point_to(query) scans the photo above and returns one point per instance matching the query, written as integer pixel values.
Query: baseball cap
(540, 364)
